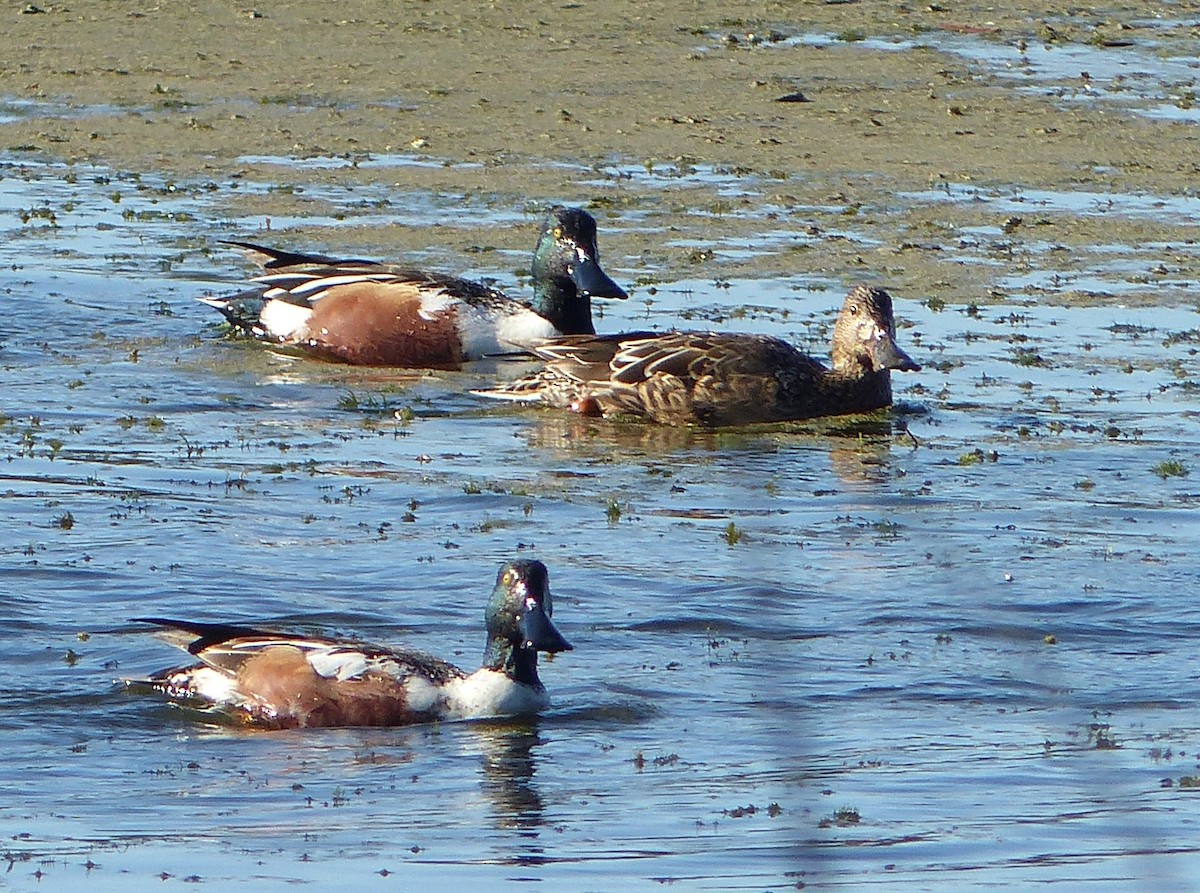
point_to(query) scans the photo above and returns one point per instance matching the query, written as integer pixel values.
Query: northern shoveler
(374, 314)
(707, 378)
(275, 680)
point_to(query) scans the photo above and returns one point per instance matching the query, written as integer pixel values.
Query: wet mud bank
(825, 125)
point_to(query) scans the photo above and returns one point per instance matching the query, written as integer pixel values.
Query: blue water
(830, 656)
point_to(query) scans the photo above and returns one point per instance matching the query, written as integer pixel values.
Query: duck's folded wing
(289, 270)
(694, 356)
(193, 636)
(347, 661)
(678, 354)
(227, 647)
(308, 284)
(278, 259)
(630, 358)
(588, 358)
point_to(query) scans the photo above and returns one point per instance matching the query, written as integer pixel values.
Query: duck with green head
(373, 314)
(276, 680)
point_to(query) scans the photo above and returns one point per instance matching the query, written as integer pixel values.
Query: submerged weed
(889, 529)
(843, 817)
(613, 511)
(1027, 356)
(1191, 336)
(31, 214)
(377, 403)
(975, 457)
(1170, 468)
(739, 812)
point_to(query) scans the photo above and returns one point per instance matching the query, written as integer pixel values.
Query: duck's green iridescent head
(567, 272)
(520, 609)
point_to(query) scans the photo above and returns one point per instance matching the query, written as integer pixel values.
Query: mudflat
(835, 129)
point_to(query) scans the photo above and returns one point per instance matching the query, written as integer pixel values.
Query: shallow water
(1135, 74)
(828, 656)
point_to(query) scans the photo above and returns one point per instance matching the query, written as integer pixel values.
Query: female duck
(372, 314)
(276, 681)
(707, 378)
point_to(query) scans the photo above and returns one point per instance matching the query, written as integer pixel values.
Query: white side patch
(284, 321)
(435, 302)
(422, 696)
(213, 685)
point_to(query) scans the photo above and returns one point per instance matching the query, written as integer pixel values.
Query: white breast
(487, 332)
(488, 693)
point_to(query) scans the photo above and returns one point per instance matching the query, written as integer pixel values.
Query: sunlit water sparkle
(826, 655)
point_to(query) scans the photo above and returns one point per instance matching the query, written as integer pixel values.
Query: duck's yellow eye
(510, 577)
(558, 232)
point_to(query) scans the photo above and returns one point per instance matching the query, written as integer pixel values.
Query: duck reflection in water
(509, 763)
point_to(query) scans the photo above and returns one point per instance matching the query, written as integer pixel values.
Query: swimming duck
(707, 378)
(372, 314)
(274, 680)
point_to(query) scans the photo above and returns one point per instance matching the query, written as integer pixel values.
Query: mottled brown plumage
(717, 379)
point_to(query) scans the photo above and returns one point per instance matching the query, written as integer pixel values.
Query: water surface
(946, 648)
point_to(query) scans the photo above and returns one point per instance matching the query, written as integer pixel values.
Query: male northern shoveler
(275, 680)
(373, 314)
(707, 378)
